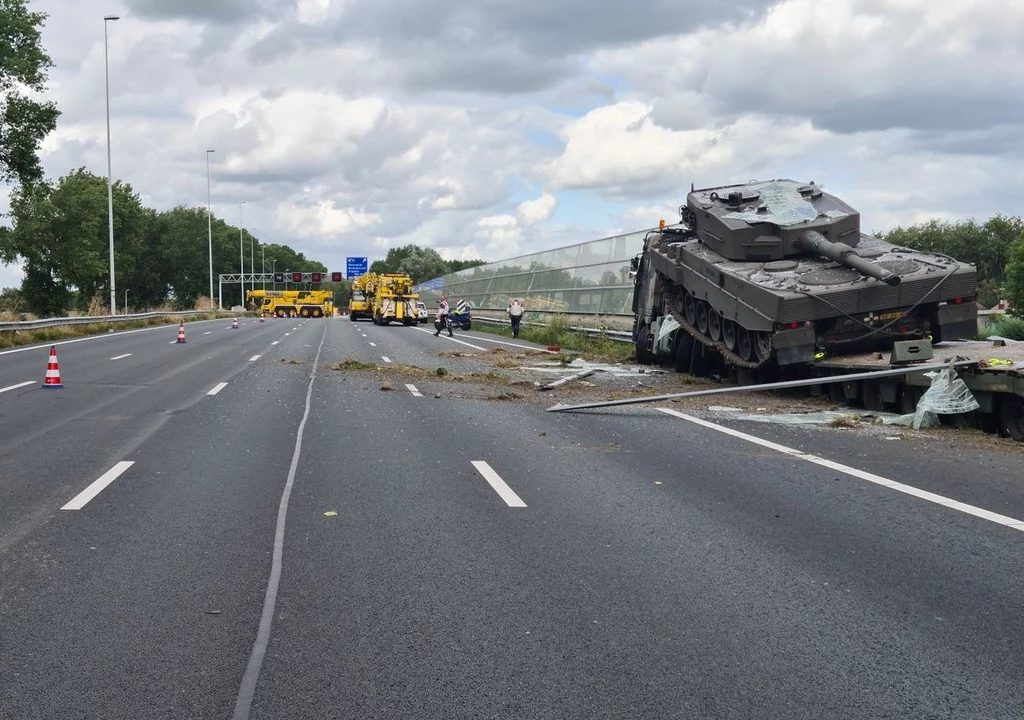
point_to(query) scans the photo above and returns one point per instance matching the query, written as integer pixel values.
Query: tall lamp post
(241, 251)
(209, 220)
(110, 187)
(263, 265)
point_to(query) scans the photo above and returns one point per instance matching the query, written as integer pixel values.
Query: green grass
(15, 338)
(557, 332)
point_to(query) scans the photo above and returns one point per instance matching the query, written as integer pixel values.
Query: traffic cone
(261, 317)
(234, 324)
(52, 371)
(181, 333)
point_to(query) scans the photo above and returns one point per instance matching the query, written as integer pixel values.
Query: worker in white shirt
(515, 312)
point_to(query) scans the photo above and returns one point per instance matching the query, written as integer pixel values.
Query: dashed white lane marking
(19, 385)
(854, 472)
(499, 485)
(96, 487)
(208, 332)
(217, 388)
(461, 342)
(254, 358)
(287, 334)
(119, 357)
(385, 358)
(373, 344)
(173, 342)
(410, 388)
(275, 342)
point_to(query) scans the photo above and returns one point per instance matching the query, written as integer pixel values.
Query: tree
(24, 122)
(420, 263)
(1014, 279)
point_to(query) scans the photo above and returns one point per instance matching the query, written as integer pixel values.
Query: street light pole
(110, 187)
(241, 252)
(252, 262)
(263, 265)
(209, 221)
(126, 301)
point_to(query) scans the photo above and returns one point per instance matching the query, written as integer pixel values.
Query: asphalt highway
(234, 527)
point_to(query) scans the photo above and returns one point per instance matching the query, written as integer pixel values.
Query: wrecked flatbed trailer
(894, 382)
(992, 370)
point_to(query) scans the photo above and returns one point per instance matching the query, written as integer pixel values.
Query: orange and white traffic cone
(181, 333)
(261, 316)
(234, 324)
(52, 371)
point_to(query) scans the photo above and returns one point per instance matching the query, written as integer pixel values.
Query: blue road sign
(356, 266)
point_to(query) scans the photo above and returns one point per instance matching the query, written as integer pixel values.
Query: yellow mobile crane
(384, 298)
(363, 289)
(289, 303)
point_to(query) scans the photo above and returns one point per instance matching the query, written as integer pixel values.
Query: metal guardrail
(92, 319)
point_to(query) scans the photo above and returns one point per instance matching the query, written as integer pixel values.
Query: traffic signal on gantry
(336, 277)
(296, 277)
(315, 277)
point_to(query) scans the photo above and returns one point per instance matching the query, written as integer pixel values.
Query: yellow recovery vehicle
(384, 298)
(289, 303)
(359, 304)
(394, 300)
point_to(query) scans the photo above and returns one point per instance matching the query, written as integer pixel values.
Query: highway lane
(57, 440)
(746, 583)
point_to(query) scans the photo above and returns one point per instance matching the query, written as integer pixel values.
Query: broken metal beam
(892, 372)
(568, 378)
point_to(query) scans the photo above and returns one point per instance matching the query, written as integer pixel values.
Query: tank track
(718, 346)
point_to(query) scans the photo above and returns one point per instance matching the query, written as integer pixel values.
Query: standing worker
(442, 319)
(515, 311)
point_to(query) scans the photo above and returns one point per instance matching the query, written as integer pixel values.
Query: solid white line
(495, 481)
(385, 358)
(512, 344)
(861, 474)
(373, 344)
(275, 342)
(118, 357)
(15, 387)
(461, 342)
(217, 388)
(411, 388)
(80, 500)
(254, 358)
(247, 688)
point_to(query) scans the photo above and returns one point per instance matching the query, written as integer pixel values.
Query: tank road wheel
(744, 344)
(1011, 417)
(702, 317)
(714, 325)
(762, 345)
(729, 334)
(690, 309)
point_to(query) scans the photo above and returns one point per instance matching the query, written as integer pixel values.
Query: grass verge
(16, 338)
(557, 332)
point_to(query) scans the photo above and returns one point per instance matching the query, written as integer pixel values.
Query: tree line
(59, 233)
(995, 247)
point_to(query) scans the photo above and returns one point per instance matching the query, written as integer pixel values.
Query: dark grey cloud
(493, 46)
(231, 12)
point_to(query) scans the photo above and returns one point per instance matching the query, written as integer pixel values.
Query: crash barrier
(587, 279)
(93, 319)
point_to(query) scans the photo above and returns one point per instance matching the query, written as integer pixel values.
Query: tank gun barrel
(813, 242)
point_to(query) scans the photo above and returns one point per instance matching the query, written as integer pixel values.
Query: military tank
(778, 274)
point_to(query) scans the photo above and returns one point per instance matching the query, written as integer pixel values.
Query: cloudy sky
(492, 128)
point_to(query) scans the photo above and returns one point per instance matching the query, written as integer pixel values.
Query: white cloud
(532, 212)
